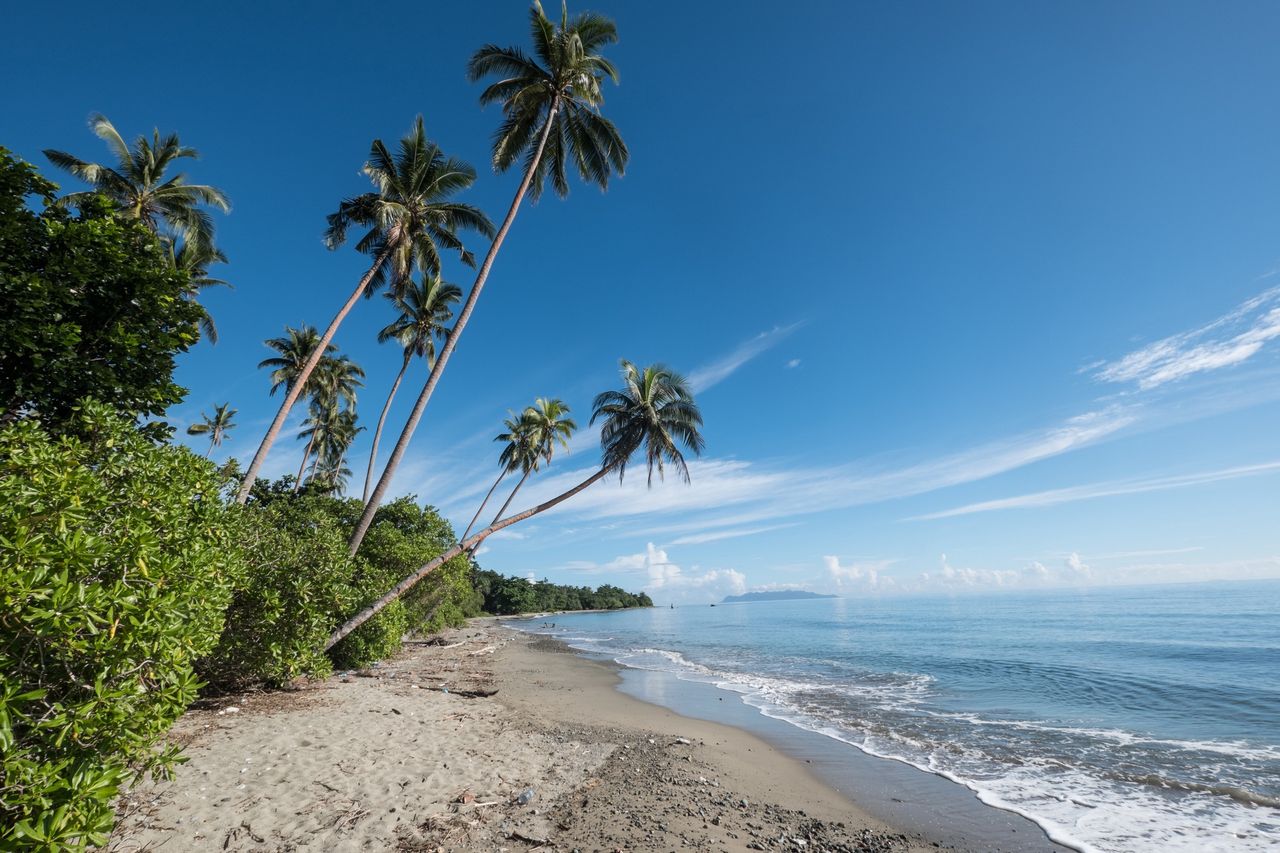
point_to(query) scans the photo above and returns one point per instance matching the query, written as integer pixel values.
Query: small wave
(1240, 795)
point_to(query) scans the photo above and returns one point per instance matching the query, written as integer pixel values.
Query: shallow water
(1145, 718)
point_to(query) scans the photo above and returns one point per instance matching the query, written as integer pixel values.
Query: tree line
(504, 596)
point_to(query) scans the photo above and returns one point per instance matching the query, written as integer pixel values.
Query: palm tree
(333, 385)
(295, 347)
(546, 424)
(137, 184)
(194, 258)
(424, 312)
(215, 427)
(555, 99)
(333, 435)
(514, 452)
(409, 216)
(654, 410)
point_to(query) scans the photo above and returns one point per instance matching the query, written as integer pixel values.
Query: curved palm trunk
(382, 419)
(210, 450)
(297, 484)
(465, 545)
(300, 382)
(512, 496)
(472, 523)
(371, 506)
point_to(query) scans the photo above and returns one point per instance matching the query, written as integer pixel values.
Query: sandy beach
(483, 738)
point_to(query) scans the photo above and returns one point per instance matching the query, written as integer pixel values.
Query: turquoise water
(1145, 718)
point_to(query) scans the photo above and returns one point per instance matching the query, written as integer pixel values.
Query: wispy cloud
(1053, 497)
(709, 375)
(1229, 340)
(730, 497)
(727, 533)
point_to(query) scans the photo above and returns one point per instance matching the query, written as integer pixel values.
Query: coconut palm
(551, 114)
(546, 423)
(425, 310)
(215, 427)
(410, 216)
(654, 410)
(333, 434)
(295, 348)
(333, 385)
(138, 184)
(517, 447)
(194, 258)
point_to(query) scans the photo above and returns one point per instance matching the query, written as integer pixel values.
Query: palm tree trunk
(465, 545)
(384, 482)
(297, 484)
(512, 496)
(210, 450)
(382, 419)
(300, 381)
(482, 503)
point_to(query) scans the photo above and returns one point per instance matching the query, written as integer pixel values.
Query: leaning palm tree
(425, 310)
(654, 410)
(409, 216)
(517, 449)
(547, 424)
(169, 206)
(551, 108)
(215, 427)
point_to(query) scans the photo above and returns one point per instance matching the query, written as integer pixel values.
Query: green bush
(293, 579)
(91, 306)
(115, 570)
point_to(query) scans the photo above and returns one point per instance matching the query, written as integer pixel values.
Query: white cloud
(1229, 340)
(712, 374)
(793, 363)
(1077, 569)
(728, 533)
(1106, 489)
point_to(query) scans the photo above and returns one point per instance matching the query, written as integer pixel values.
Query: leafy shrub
(114, 572)
(292, 581)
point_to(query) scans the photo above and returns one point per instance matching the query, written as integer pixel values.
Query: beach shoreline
(485, 738)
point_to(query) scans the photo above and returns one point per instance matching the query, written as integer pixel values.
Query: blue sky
(976, 296)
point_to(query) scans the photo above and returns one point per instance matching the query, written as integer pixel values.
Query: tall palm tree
(551, 108)
(169, 206)
(654, 410)
(332, 386)
(410, 217)
(215, 427)
(516, 449)
(547, 423)
(295, 347)
(425, 310)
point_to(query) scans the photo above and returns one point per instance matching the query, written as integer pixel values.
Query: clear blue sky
(976, 295)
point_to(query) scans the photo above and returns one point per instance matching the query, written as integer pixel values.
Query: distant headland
(774, 595)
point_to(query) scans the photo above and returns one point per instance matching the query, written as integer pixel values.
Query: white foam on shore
(1074, 808)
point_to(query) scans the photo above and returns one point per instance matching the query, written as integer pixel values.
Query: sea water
(1143, 718)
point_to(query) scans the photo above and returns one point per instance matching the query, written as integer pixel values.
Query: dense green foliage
(116, 564)
(298, 581)
(507, 595)
(91, 306)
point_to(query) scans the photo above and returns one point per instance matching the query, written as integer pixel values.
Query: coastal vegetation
(136, 573)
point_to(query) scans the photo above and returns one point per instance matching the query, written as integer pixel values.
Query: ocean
(1132, 719)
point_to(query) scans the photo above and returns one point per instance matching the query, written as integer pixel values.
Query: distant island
(774, 595)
